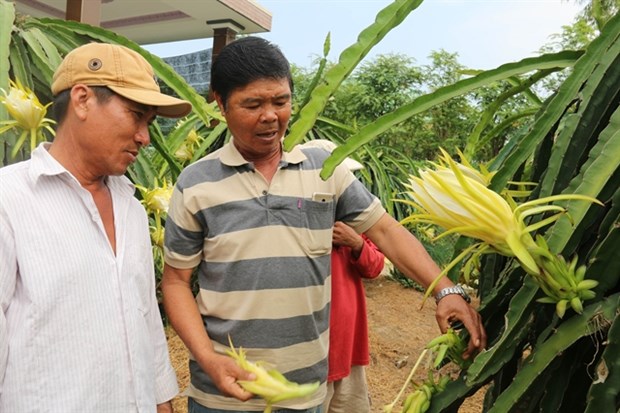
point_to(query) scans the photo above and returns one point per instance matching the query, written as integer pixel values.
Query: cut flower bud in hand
(270, 384)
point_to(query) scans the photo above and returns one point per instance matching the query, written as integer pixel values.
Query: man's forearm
(406, 252)
(183, 313)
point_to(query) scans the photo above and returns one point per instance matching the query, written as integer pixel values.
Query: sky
(484, 33)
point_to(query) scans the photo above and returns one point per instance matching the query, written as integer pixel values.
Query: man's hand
(345, 235)
(453, 308)
(225, 372)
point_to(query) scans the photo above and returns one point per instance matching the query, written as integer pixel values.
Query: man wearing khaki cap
(80, 327)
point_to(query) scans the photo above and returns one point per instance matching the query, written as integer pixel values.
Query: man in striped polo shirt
(257, 223)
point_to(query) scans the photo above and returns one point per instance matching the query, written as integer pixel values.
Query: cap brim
(165, 105)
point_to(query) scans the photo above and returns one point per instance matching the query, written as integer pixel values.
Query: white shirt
(80, 329)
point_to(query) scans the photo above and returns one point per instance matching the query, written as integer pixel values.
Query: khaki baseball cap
(122, 70)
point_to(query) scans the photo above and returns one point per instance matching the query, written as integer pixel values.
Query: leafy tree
(574, 36)
(598, 12)
(390, 81)
(377, 87)
(449, 123)
(385, 84)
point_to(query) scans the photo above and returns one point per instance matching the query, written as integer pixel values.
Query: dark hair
(246, 60)
(61, 101)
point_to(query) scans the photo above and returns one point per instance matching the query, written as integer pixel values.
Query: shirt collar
(43, 164)
(230, 156)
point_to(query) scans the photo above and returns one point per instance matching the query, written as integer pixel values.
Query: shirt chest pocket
(317, 221)
(309, 222)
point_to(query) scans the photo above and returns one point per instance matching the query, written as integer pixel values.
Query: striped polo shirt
(263, 252)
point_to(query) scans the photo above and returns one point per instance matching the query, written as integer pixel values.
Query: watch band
(455, 289)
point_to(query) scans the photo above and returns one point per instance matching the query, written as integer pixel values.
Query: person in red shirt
(353, 257)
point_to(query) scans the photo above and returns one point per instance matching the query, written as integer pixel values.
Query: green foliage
(522, 126)
(383, 85)
(7, 14)
(387, 83)
(598, 12)
(530, 346)
(386, 20)
(448, 123)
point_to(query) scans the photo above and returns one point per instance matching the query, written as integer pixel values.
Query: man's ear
(80, 95)
(219, 101)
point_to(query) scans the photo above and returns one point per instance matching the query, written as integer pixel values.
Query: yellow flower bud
(156, 200)
(455, 196)
(28, 115)
(184, 153)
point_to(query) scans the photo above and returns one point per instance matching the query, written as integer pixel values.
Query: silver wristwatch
(455, 289)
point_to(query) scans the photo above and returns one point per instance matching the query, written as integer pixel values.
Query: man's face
(257, 116)
(118, 129)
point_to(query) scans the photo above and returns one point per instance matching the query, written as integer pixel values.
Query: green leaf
(505, 124)
(65, 40)
(604, 265)
(158, 142)
(20, 63)
(388, 18)
(604, 159)
(605, 390)
(597, 101)
(593, 318)
(557, 106)
(316, 78)
(425, 102)
(204, 147)
(517, 318)
(473, 142)
(528, 92)
(142, 171)
(38, 55)
(50, 50)
(559, 380)
(177, 136)
(7, 16)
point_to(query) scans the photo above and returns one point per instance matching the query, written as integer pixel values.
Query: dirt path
(399, 330)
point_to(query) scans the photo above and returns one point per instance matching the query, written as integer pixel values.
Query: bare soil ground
(399, 330)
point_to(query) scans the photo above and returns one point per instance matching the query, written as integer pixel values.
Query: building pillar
(84, 11)
(221, 37)
(224, 32)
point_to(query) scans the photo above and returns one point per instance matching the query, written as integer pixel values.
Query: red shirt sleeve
(370, 262)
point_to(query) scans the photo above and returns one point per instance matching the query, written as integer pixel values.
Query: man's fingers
(234, 389)
(477, 334)
(243, 394)
(442, 322)
(454, 312)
